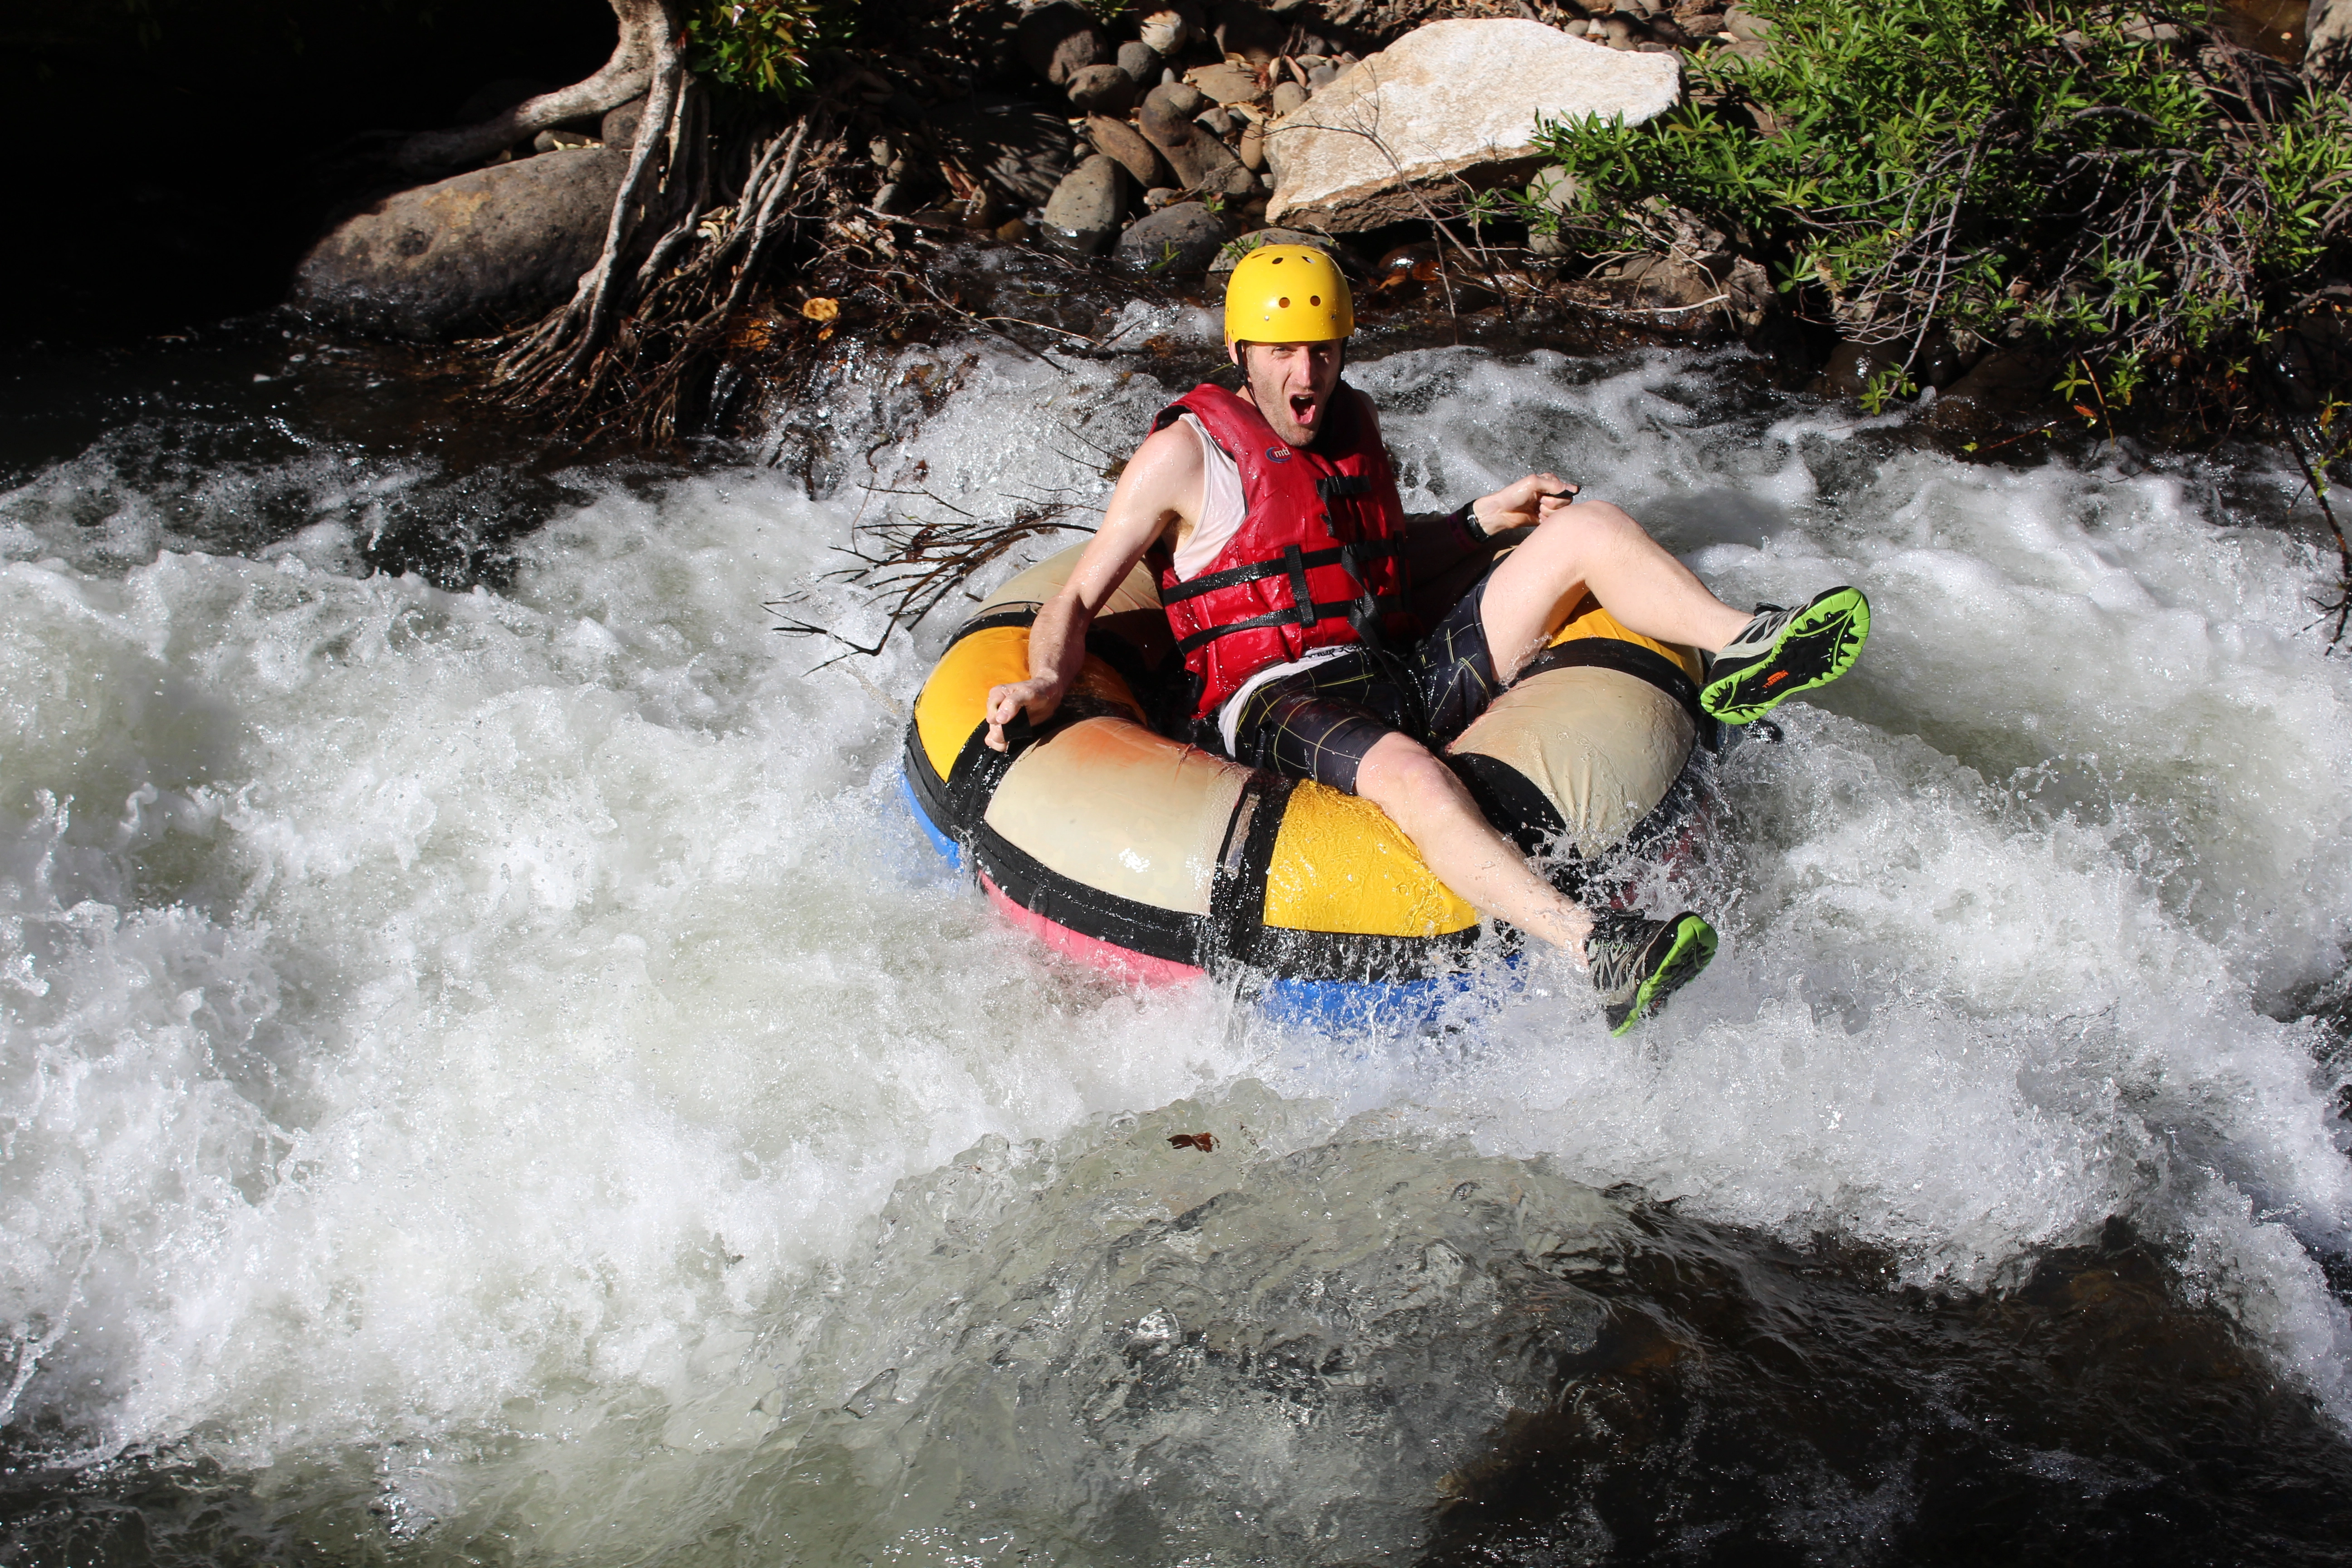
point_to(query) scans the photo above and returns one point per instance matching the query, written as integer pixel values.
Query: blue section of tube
(940, 841)
(1348, 1007)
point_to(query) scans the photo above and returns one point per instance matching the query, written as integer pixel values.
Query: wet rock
(1168, 28)
(1201, 161)
(1014, 233)
(1101, 89)
(619, 127)
(1161, 196)
(2005, 382)
(1060, 38)
(467, 254)
(1021, 148)
(1229, 255)
(1179, 241)
(1287, 96)
(1141, 62)
(1453, 101)
(1123, 141)
(1852, 367)
(1085, 209)
(1227, 83)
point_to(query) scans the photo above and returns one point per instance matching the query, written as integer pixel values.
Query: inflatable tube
(1126, 849)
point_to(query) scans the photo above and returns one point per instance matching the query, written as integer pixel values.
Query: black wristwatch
(1465, 518)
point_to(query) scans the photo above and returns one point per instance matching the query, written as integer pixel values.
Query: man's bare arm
(1160, 487)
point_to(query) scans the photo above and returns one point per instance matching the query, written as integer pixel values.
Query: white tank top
(1221, 507)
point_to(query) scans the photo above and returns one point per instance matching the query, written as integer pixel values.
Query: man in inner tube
(1284, 560)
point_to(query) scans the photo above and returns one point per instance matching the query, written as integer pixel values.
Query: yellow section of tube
(1340, 864)
(955, 700)
(1590, 620)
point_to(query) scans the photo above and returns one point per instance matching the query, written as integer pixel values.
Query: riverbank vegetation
(2154, 220)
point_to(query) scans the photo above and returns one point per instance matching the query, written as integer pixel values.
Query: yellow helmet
(1287, 294)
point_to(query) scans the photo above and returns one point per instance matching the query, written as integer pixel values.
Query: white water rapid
(457, 1051)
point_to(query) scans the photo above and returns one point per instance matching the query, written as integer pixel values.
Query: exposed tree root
(648, 27)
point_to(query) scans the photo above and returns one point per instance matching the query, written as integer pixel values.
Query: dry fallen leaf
(820, 310)
(1206, 1143)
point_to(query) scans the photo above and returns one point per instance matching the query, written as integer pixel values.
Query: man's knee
(1403, 778)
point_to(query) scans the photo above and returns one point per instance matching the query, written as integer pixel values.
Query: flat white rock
(1459, 97)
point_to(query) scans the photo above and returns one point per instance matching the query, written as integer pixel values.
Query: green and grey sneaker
(1637, 963)
(1783, 652)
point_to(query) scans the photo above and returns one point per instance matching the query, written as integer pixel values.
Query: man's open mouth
(1303, 410)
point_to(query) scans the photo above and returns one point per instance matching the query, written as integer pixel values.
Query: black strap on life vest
(1345, 555)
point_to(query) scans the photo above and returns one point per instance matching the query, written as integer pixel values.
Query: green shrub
(2001, 169)
(760, 46)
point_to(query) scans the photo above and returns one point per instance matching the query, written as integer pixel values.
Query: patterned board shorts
(1321, 722)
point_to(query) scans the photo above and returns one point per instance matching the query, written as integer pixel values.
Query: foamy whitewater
(501, 1075)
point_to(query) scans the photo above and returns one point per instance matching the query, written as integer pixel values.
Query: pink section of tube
(1136, 967)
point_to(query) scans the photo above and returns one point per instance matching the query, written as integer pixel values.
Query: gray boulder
(468, 253)
(1449, 103)
(1179, 241)
(1101, 89)
(1061, 38)
(1084, 210)
(1141, 62)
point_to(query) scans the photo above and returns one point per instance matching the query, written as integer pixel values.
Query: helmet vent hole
(1276, 260)
(1283, 303)
(1314, 298)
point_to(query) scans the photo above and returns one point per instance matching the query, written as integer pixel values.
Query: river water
(492, 1075)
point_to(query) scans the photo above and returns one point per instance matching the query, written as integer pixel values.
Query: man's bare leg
(1595, 547)
(1429, 805)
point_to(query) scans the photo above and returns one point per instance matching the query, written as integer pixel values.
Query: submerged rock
(1457, 100)
(468, 253)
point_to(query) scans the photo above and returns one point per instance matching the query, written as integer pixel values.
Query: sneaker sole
(1814, 649)
(1692, 948)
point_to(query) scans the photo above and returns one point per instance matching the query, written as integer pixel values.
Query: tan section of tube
(1035, 584)
(1604, 746)
(1109, 804)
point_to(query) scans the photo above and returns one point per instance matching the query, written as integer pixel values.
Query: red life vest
(1314, 563)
